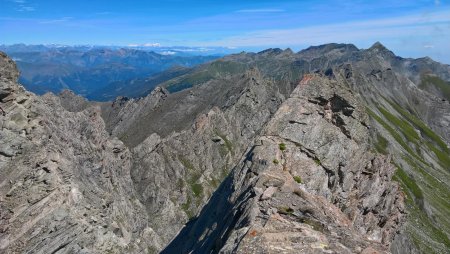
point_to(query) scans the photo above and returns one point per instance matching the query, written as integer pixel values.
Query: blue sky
(409, 28)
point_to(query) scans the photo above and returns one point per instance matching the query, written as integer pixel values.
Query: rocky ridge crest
(309, 184)
(65, 184)
(269, 153)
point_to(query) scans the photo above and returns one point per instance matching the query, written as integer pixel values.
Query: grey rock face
(124, 113)
(72, 102)
(192, 163)
(309, 184)
(240, 162)
(407, 122)
(65, 185)
(8, 69)
(410, 125)
(70, 187)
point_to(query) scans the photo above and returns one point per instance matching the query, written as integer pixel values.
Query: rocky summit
(333, 149)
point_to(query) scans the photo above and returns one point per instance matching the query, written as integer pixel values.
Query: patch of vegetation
(197, 189)
(443, 153)
(221, 67)
(285, 210)
(408, 131)
(417, 215)
(438, 83)
(427, 231)
(419, 219)
(282, 146)
(228, 143)
(440, 193)
(313, 223)
(444, 158)
(381, 144)
(422, 221)
(197, 78)
(187, 81)
(187, 208)
(409, 185)
(186, 163)
(152, 250)
(275, 161)
(421, 126)
(317, 161)
(172, 88)
(192, 179)
(393, 133)
(210, 71)
(298, 179)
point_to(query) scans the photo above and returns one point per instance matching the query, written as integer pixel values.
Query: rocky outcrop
(412, 126)
(65, 184)
(72, 102)
(124, 112)
(192, 163)
(310, 184)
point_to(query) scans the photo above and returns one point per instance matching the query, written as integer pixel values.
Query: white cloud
(152, 45)
(369, 30)
(167, 53)
(23, 6)
(53, 21)
(428, 46)
(201, 49)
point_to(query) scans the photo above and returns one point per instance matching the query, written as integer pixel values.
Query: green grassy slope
(423, 171)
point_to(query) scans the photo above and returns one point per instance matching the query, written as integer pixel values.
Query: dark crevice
(296, 122)
(319, 101)
(339, 122)
(61, 247)
(341, 175)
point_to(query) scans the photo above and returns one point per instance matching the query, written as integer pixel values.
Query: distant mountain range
(155, 47)
(96, 72)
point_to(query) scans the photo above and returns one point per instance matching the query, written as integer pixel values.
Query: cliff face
(269, 152)
(65, 184)
(407, 123)
(71, 187)
(192, 163)
(308, 184)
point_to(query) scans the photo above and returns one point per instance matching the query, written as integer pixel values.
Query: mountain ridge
(270, 128)
(89, 72)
